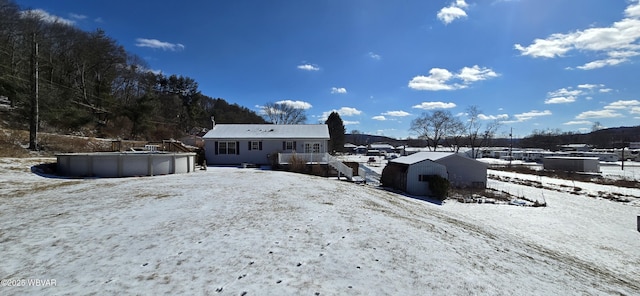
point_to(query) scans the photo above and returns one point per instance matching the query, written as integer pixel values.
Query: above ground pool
(124, 164)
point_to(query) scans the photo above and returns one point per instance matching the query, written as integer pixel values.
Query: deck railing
(285, 158)
(324, 158)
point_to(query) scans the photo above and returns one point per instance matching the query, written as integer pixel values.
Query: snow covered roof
(268, 131)
(381, 146)
(421, 156)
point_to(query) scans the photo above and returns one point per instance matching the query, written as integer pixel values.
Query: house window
(227, 147)
(423, 178)
(255, 145)
(289, 145)
(312, 148)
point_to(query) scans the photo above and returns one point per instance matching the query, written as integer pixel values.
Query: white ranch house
(234, 144)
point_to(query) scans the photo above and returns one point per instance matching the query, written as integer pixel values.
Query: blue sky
(532, 64)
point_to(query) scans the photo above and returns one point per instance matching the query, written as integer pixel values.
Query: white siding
(260, 157)
(426, 167)
(465, 172)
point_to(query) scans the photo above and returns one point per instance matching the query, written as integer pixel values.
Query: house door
(313, 147)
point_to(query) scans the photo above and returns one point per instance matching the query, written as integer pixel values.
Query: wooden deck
(324, 159)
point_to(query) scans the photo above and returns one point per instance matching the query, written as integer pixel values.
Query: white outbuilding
(410, 173)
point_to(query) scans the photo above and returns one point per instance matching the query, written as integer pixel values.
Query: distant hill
(364, 139)
(616, 137)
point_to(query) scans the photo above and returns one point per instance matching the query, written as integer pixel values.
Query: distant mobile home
(572, 164)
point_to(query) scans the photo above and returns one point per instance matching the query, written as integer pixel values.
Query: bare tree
(433, 127)
(476, 136)
(283, 113)
(456, 133)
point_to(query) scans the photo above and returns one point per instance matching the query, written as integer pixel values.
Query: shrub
(391, 176)
(297, 164)
(438, 186)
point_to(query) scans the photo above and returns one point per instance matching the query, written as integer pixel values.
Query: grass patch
(12, 143)
(38, 188)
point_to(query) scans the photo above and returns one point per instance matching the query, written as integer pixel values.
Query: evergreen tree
(336, 132)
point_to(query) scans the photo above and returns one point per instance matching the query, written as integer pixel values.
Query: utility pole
(33, 122)
(623, 157)
(510, 146)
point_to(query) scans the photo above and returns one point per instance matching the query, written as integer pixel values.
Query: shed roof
(268, 131)
(421, 156)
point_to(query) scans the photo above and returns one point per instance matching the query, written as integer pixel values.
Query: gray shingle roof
(268, 131)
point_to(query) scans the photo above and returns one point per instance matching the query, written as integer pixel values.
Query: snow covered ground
(232, 231)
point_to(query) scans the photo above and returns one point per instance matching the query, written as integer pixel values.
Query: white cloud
(46, 17)
(396, 113)
(379, 117)
(338, 90)
(565, 95)
(493, 117)
(155, 43)
(462, 4)
(618, 41)
(77, 16)
(578, 122)
(347, 122)
(530, 115)
(565, 92)
(374, 56)
(607, 113)
(475, 73)
(439, 79)
(623, 54)
(434, 105)
(344, 111)
(552, 47)
(570, 95)
(589, 86)
(605, 90)
(601, 64)
(635, 110)
(560, 100)
(308, 67)
(295, 104)
(348, 111)
(453, 12)
(623, 104)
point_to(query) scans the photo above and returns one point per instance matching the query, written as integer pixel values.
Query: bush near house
(438, 186)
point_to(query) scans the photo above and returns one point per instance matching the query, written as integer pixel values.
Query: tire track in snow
(589, 272)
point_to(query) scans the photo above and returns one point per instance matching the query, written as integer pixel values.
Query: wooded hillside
(88, 84)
